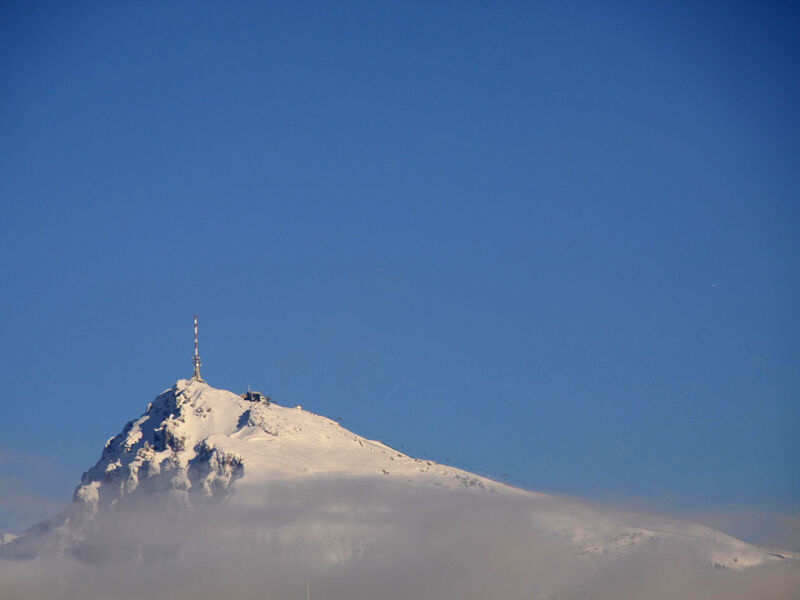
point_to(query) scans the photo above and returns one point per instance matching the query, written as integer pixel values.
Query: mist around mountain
(209, 495)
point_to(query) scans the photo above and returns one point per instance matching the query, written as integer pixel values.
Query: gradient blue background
(554, 243)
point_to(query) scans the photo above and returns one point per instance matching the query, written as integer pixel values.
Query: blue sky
(548, 242)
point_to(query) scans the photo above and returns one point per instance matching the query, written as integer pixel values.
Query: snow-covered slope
(197, 442)
(196, 446)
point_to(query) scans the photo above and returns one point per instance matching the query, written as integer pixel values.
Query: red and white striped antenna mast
(196, 358)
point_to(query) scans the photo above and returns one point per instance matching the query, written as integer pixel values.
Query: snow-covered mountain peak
(197, 447)
(196, 442)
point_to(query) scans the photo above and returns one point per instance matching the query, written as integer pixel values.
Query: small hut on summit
(252, 396)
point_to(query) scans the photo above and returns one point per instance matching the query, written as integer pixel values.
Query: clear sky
(549, 242)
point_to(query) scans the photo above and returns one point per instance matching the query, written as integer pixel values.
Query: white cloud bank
(368, 539)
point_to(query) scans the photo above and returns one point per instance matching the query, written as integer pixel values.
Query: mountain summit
(197, 443)
(207, 468)
(197, 446)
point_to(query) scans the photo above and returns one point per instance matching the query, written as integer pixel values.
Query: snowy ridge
(197, 446)
(195, 442)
